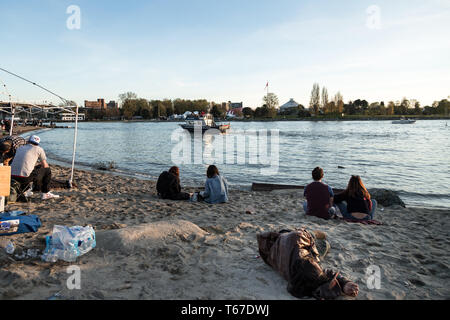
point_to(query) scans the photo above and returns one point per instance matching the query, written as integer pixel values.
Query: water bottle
(194, 198)
(10, 247)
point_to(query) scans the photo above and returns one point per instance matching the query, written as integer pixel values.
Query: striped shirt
(15, 142)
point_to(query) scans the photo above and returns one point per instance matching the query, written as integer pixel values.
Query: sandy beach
(149, 248)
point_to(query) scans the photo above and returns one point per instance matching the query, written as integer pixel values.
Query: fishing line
(35, 84)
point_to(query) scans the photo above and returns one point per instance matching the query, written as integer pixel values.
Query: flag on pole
(267, 85)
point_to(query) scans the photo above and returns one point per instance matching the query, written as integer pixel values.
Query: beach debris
(14, 213)
(386, 198)
(9, 248)
(250, 210)
(29, 254)
(105, 165)
(69, 243)
(55, 296)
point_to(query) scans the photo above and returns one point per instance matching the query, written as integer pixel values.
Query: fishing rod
(66, 102)
(35, 84)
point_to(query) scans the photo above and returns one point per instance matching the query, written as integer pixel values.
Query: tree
(271, 101)
(339, 102)
(259, 112)
(442, 107)
(217, 111)
(129, 108)
(159, 110)
(143, 109)
(374, 108)
(127, 96)
(314, 104)
(331, 107)
(248, 112)
(325, 102)
(168, 105)
(390, 110)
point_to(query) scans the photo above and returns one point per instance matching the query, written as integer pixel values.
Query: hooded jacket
(294, 255)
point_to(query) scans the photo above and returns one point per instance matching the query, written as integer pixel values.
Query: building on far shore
(100, 104)
(236, 105)
(289, 106)
(71, 117)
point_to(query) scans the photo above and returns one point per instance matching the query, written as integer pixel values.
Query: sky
(226, 50)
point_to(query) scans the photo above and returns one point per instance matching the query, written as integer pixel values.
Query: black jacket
(359, 204)
(168, 185)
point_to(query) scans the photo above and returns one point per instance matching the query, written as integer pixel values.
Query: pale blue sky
(227, 50)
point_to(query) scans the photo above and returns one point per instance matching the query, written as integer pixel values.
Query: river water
(411, 159)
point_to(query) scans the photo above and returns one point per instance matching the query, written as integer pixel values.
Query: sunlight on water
(412, 159)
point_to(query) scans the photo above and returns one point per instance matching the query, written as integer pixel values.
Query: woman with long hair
(216, 187)
(169, 186)
(355, 202)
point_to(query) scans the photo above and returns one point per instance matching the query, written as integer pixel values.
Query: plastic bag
(69, 243)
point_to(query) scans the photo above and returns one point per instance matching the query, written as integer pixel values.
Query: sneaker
(49, 195)
(28, 194)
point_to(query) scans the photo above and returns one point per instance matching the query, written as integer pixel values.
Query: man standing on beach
(8, 148)
(319, 197)
(25, 171)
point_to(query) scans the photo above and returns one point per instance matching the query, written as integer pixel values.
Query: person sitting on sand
(319, 197)
(169, 187)
(8, 148)
(216, 187)
(355, 202)
(24, 168)
(296, 255)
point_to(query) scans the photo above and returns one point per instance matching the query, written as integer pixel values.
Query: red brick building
(101, 104)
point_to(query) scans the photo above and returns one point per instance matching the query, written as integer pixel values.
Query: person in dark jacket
(168, 185)
(319, 197)
(355, 202)
(294, 255)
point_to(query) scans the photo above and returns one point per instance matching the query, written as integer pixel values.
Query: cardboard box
(5, 181)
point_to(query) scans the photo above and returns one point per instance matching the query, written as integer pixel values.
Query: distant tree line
(321, 104)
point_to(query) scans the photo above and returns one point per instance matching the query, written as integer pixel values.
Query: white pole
(13, 112)
(2, 199)
(74, 147)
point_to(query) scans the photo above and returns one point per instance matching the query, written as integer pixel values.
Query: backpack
(13, 193)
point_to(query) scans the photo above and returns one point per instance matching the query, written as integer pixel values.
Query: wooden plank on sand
(272, 187)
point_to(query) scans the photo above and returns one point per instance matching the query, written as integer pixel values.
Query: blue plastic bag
(21, 224)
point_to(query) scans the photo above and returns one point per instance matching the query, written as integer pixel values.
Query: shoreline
(210, 244)
(312, 119)
(138, 175)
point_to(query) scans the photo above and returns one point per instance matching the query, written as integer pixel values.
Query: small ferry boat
(205, 122)
(404, 121)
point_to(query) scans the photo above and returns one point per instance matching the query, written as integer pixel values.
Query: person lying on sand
(355, 202)
(8, 148)
(319, 197)
(25, 168)
(295, 256)
(169, 186)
